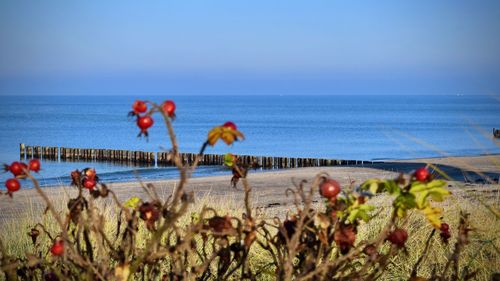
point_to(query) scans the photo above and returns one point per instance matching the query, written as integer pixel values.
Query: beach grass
(481, 255)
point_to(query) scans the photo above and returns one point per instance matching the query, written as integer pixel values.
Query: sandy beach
(268, 188)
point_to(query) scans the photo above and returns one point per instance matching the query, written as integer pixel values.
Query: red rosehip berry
(89, 184)
(220, 224)
(330, 188)
(422, 174)
(34, 165)
(444, 227)
(230, 125)
(370, 250)
(398, 237)
(445, 236)
(57, 248)
(344, 237)
(445, 232)
(12, 185)
(16, 168)
(169, 108)
(144, 122)
(139, 107)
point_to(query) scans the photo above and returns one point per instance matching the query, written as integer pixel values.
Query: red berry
(445, 232)
(329, 188)
(12, 185)
(16, 168)
(220, 224)
(344, 237)
(57, 248)
(139, 107)
(444, 227)
(230, 125)
(398, 237)
(421, 174)
(445, 236)
(89, 184)
(34, 165)
(144, 122)
(169, 108)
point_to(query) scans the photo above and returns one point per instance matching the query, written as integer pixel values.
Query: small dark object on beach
(480, 181)
(496, 133)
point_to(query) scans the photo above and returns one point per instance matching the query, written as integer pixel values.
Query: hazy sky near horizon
(250, 46)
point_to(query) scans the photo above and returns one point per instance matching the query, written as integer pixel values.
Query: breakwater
(162, 159)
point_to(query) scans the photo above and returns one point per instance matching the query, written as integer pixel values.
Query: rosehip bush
(144, 118)
(311, 243)
(20, 171)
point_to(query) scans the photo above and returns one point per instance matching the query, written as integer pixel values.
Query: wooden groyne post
(22, 151)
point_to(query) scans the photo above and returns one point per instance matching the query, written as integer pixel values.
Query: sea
(369, 127)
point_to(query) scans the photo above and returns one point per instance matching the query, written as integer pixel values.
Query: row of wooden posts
(163, 159)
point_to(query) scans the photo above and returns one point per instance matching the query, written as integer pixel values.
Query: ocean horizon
(362, 127)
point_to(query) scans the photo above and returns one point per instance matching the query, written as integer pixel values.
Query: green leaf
(353, 215)
(392, 187)
(371, 185)
(378, 185)
(437, 183)
(435, 189)
(229, 159)
(403, 203)
(360, 212)
(133, 202)
(195, 217)
(433, 215)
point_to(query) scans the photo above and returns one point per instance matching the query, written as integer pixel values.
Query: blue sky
(249, 47)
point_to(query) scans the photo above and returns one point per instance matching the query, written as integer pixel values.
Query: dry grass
(481, 255)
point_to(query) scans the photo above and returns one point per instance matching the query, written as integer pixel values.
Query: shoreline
(268, 188)
(436, 157)
(460, 162)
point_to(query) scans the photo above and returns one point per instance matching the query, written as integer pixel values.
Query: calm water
(345, 127)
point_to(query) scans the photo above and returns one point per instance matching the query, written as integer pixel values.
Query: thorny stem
(67, 243)
(425, 251)
(248, 190)
(293, 243)
(48, 203)
(461, 241)
(202, 150)
(179, 191)
(352, 254)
